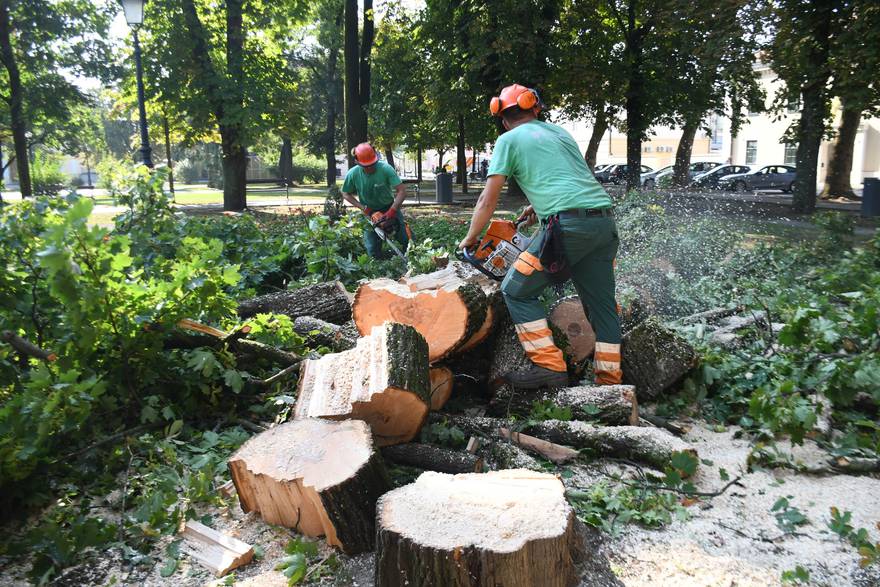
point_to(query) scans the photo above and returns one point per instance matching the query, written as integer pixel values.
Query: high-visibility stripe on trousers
(537, 341)
(606, 364)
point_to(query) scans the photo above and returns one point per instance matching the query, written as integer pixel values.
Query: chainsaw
(375, 221)
(498, 250)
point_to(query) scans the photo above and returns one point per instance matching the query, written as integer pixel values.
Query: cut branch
(26, 347)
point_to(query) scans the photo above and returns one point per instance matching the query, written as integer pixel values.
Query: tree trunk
(234, 170)
(511, 528)
(285, 161)
(383, 381)
(461, 159)
(357, 74)
(599, 127)
(324, 301)
(837, 182)
(168, 157)
(389, 156)
(318, 477)
(419, 164)
(330, 142)
(680, 175)
(635, 100)
(16, 102)
(815, 105)
(440, 153)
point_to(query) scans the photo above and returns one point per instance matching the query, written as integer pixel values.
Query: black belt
(583, 213)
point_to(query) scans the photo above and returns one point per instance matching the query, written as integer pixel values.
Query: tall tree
(358, 47)
(800, 54)
(855, 62)
(226, 72)
(42, 45)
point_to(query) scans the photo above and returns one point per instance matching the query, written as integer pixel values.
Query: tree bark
(357, 74)
(16, 102)
(461, 156)
(655, 359)
(432, 458)
(325, 301)
(168, 157)
(635, 98)
(680, 175)
(318, 333)
(837, 182)
(419, 164)
(812, 122)
(285, 161)
(330, 142)
(600, 126)
(389, 156)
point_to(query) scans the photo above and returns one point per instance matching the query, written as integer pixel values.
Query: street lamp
(134, 16)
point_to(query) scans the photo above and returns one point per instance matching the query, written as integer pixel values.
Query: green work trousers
(373, 242)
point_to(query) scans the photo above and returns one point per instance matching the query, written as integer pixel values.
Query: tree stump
(510, 528)
(319, 477)
(448, 310)
(442, 382)
(655, 358)
(575, 337)
(325, 301)
(383, 381)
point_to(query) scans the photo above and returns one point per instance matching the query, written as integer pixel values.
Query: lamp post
(134, 16)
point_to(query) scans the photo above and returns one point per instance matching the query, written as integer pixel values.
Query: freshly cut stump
(447, 315)
(577, 340)
(512, 528)
(319, 477)
(442, 382)
(383, 381)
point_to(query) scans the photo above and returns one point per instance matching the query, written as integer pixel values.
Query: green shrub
(47, 178)
(185, 171)
(308, 168)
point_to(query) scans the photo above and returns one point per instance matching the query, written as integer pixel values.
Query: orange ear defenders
(515, 95)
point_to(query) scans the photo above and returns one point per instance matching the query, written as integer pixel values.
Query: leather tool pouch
(552, 252)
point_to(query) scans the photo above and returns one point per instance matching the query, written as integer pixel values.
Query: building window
(790, 154)
(751, 152)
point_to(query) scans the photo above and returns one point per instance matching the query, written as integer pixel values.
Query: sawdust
(498, 511)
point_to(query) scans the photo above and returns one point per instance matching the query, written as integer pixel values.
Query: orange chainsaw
(498, 250)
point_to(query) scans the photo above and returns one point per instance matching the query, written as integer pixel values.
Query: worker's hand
(468, 242)
(528, 216)
(368, 212)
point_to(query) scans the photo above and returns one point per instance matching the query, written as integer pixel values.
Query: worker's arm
(484, 209)
(352, 199)
(399, 196)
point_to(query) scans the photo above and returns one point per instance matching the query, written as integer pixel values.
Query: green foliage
(46, 176)
(798, 576)
(443, 434)
(334, 205)
(547, 410)
(301, 562)
(608, 506)
(860, 539)
(788, 517)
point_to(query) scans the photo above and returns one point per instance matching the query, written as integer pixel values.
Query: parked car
(710, 179)
(602, 175)
(769, 177)
(700, 167)
(649, 180)
(600, 167)
(616, 174)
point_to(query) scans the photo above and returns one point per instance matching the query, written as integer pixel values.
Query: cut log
(325, 301)
(447, 315)
(318, 333)
(218, 552)
(432, 458)
(512, 528)
(501, 454)
(555, 453)
(652, 446)
(609, 404)
(319, 477)
(574, 333)
(655, 359)
(383, 381)
(442, 382)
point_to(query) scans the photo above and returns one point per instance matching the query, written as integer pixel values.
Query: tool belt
(581, 213)
(552, 251)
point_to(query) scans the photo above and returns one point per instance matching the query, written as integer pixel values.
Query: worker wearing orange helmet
(578, 239)
(374, 187)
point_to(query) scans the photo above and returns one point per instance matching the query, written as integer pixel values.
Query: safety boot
(536, 377)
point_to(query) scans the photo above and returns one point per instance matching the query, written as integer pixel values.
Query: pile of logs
(400, 349)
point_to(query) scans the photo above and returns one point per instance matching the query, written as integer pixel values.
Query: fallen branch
(26, 347)
(432, 458)
(555, 453)
(277, 377)
(664, 423)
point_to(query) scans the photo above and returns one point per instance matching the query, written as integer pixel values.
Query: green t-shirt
(375, 190)
(546, 162)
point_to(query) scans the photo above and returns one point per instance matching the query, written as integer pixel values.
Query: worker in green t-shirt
(546, 162)
(369, 187)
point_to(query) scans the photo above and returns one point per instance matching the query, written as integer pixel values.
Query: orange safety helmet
(516, 95)
(365, 155)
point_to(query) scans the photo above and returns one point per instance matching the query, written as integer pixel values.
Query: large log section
(325, 301)
(383, 381)
(505, 528)
(319, 477)
(448, 307)
(655, 358)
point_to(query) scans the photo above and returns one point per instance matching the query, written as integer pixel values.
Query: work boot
(535, 377)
